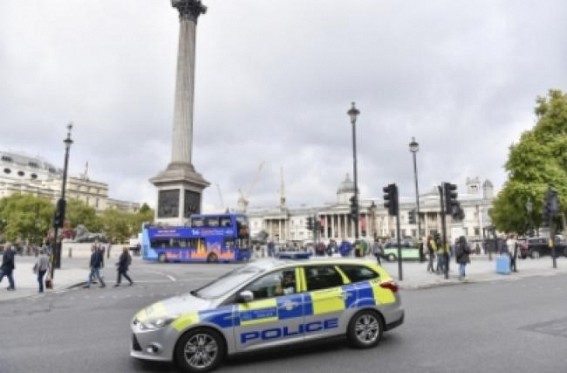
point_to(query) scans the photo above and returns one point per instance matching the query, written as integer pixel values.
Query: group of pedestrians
(40, 268)
(96, 264)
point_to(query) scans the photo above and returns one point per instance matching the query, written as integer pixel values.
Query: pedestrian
(8, 266)
(462, 252)
(95, 265)
(271, 249)
(431, 248)
(123, 264)
(378, 250)
(41, 267)
(512, 247)
(440, 252)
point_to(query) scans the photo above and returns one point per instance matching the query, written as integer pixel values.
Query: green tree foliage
(25, 217)
(78, 212)
(119, 226)
(540, 158)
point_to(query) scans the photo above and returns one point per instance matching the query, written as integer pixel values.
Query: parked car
(539, 246)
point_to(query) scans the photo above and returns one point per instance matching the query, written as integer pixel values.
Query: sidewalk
(481, 269)
(74, 272)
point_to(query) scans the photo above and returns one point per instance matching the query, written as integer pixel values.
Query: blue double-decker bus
(208, 238)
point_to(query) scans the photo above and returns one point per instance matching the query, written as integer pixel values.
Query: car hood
(175, 306)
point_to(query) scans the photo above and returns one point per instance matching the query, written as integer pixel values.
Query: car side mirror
(245, 296)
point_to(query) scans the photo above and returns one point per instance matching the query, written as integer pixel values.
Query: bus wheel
(161, 258)
(212, 258)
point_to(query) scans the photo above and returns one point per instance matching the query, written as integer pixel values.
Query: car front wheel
(199, 351)
(365, 329)
(535, 254)
(391, 258)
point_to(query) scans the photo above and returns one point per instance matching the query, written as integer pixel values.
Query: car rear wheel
(162, 258)
(199, 350)
(365, 329)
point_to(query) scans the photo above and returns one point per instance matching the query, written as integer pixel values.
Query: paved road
(501, 325)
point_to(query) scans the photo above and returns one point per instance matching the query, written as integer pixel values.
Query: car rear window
(357, 273)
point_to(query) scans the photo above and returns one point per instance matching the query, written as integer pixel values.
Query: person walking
(8, 266)
(95, 265)
(512, 246)
(41, 266)
(123, 264)
(462, 252)
(431, 248)
(378, 251)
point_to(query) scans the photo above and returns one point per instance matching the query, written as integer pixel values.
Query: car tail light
(390, 285)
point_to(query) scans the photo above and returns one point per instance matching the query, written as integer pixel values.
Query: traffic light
(411, 217)
(59, 217)
(309, 224)
(551, 203)
(353, 208)
(319, 227)
(450, 196)
(458, 214)
(391, 198)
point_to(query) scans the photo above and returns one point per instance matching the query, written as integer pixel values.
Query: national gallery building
(284, 224)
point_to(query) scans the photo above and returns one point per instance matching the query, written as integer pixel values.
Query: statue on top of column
(193, 8)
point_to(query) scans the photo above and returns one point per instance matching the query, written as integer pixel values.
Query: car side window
(357, 273)
(322, 277)
(274, 284)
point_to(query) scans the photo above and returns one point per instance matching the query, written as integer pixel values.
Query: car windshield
(228, 282)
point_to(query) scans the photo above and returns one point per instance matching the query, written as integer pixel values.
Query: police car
(269, 303)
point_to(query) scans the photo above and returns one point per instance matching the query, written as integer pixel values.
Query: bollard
(70, 252)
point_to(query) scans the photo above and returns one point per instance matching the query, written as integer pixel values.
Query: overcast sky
(274, 80)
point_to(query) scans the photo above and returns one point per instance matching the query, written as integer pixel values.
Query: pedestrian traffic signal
(353, 208)
(59, 217)
(411, 217)
(391, 198)
(309, 224)
(450, 196)
(458, 214)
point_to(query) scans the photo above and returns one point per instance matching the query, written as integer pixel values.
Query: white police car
(269, 303)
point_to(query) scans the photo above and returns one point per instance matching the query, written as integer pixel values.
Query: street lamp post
(353, 113)
(60, 212)
(414, 148)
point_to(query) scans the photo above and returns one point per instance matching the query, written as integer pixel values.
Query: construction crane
(242, 203)
(220, 196)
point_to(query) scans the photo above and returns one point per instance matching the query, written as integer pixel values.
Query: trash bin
(503, 264)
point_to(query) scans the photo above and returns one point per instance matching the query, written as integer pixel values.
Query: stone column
(179, 185)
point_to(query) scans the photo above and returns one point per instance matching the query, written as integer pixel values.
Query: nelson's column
(179, 186)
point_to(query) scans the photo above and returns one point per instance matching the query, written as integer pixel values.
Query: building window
(21, 173)
(52, 170)
(33, 165)
(5, 158)
(33, 176)
(7, 171)
(96, 203)
(477, 231)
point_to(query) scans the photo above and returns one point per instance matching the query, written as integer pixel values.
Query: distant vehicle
(269, 304)
(536, 247)
(410, 251)
(209, 238)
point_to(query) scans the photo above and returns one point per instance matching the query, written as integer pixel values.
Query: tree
(79, 212)
(26, 217)
(540, 158)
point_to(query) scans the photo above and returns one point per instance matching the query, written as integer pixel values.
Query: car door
(327, 297)
(275, 315)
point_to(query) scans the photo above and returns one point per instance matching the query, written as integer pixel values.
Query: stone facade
(289, 224)
(32, 175)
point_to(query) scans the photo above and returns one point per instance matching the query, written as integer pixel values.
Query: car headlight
(157, 323)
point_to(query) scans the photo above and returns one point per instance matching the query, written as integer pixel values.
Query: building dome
(347, 186)
(487, 184)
